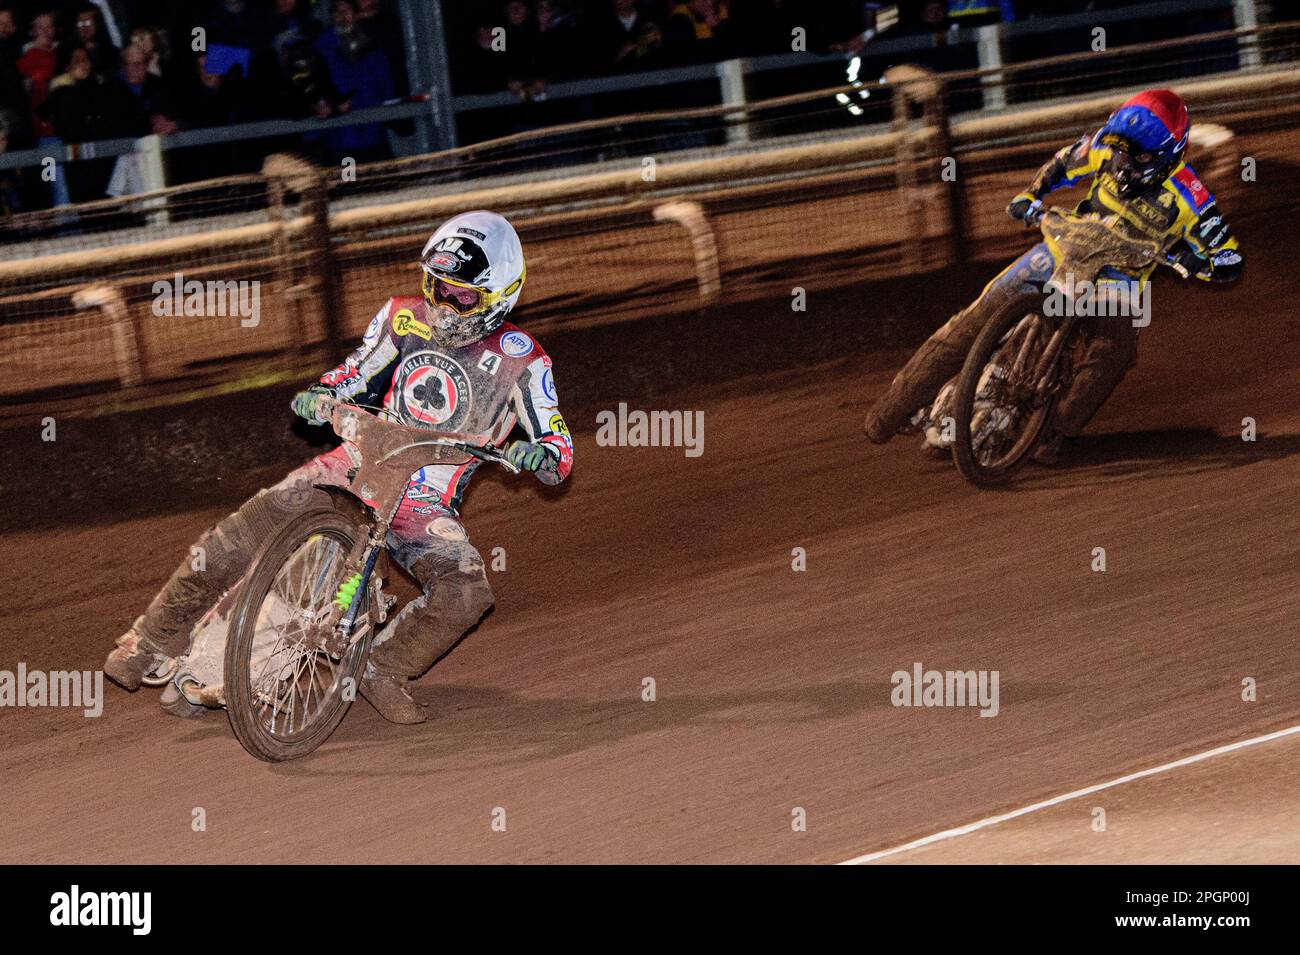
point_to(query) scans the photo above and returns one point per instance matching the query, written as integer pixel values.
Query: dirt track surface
(1237, 808)
(773, 686)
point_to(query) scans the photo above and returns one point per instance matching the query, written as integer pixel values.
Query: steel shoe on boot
(387, 693)
(129, 661)
(936, 421)
(917, 423)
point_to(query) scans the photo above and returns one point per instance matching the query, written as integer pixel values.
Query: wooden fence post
(287, 174)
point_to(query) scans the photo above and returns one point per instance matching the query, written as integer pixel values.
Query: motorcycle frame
(384, 456)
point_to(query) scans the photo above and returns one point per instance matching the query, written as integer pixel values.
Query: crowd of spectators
(75, 72)
(523, 45)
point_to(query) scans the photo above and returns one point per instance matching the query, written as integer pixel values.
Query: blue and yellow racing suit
(1179, 206)
(1178, 209)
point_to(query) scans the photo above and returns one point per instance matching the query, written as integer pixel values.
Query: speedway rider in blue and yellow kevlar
(1137, 172)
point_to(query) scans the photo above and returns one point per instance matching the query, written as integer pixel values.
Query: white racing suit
(484, 388)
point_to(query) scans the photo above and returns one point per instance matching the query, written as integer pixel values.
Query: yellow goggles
(463, 298)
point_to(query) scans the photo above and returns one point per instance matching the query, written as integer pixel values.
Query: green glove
(527, 456)
(304, 403)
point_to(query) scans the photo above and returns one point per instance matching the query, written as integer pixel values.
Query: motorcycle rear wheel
(977, 465)
(290, 584)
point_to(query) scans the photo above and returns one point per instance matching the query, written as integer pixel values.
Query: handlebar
(490, 455)
(328, 409)
(1033, 218)
(1129, 251)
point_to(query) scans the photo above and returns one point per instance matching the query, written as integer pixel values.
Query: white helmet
(473, 274)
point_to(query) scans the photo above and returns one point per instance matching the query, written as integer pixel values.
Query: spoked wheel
(285, 694)
(998, 417)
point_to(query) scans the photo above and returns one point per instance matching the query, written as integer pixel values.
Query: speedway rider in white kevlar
(448, 360)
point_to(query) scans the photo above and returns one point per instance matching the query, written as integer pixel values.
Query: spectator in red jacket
(38, 64)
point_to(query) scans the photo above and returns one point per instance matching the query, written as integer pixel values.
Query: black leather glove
(1026, 208)
(1187, 263)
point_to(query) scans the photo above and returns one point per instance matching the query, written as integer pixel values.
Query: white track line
(1057, 800)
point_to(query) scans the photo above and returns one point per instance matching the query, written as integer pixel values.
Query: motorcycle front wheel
(997, 418)
(284, 694)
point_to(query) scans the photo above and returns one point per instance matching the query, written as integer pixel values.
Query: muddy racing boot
(387, 693)
(130, 660)
(877, 432)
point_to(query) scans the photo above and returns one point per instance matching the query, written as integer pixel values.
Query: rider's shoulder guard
(405, 316)
(1191, 189)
